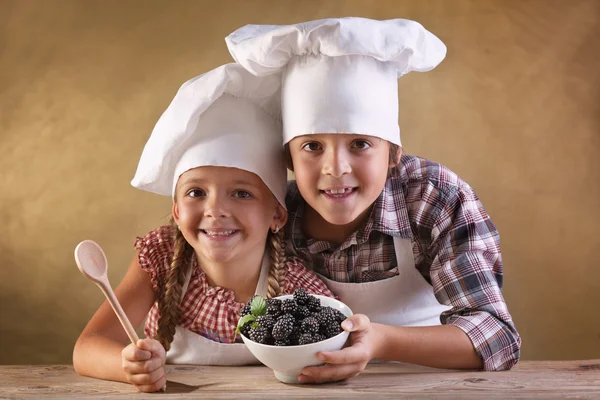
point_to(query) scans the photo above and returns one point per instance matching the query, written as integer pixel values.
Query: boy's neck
(314, 226)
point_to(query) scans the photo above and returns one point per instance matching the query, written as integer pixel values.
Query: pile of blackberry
(290, 322)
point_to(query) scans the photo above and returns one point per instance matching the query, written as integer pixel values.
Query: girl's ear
(279, 218)
(175, 212)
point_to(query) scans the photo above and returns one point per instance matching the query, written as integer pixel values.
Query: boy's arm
(97, 352)
(432, 346)
(466, 273)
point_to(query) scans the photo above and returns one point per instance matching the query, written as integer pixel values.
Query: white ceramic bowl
(288, 361)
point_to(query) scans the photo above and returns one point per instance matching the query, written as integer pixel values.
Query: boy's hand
(350, 361)
(144, 363)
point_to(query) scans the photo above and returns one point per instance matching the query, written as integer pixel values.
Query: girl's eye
(311, 146)
(242, 194)
(196, 193)
(361, 144)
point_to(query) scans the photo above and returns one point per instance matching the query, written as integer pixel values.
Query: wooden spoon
(92, 263)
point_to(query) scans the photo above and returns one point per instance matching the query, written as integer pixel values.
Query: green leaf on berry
(258, 306)
(243, 321)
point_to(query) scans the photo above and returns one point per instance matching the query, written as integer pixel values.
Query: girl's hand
(143, 364)
(350, 361)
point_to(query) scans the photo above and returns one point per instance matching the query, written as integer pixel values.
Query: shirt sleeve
(466, 274)
(155, 252)
(298, 276)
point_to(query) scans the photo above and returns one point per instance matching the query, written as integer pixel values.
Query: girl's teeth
(224, 233)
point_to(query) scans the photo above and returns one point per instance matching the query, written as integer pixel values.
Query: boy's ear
(395, 158)
(288, 157)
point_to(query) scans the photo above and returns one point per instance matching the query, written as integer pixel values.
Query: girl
(217, 151)
(402, 240)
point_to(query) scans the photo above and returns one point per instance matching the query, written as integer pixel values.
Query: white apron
(191, 348)
(406, 299)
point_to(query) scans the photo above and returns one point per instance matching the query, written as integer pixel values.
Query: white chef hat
(339, 74)
(226, 117)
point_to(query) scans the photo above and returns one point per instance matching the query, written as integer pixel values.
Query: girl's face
(225, 213)
(340, 175)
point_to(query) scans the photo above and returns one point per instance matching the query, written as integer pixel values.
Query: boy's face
(340, 175)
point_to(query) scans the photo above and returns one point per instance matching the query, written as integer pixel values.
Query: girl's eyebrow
(189, 181)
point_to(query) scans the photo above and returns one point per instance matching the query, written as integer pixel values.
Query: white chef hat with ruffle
(227, 118)
(339, 75)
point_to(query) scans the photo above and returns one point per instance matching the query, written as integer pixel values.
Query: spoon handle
(112, 299)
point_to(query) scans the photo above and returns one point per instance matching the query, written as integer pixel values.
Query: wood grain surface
(529, 379)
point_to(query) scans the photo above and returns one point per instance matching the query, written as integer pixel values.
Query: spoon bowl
(91, 261)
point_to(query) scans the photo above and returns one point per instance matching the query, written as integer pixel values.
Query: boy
(402, 240)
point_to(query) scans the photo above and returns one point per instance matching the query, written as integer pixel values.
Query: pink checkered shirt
(456, 248)
(209, 311)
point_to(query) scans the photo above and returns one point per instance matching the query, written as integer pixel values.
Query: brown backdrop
(514, 109)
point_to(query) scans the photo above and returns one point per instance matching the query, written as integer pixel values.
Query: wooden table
(529, 379)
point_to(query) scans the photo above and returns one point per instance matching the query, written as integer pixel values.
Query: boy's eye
(242, 194)
(195, 193)
(361, 144)
(311, 146)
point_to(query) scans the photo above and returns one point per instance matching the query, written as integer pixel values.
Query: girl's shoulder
(297, 275)
(155, 252)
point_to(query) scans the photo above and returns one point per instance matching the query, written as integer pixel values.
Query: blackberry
(326, 317)
(317, 337)
(301, 296)
(306, 338)
(285, 342)
(274, 307)
(339, 316)
(260, 334)
(283, 327)
(289, 306)
(309, 325)
(245, 310)
(331, 330)
(266, 320)
(246, 330)
(294, 336)
(313, 304)
(302, 312)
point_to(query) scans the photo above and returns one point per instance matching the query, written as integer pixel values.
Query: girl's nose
(216, 207)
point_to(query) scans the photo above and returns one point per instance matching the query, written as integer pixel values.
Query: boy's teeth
(223, 233)
(338, 191)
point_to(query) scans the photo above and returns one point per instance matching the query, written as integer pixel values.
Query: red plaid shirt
(456, 248)
(209, 311)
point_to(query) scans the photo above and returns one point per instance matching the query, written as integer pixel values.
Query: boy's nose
(336, 163)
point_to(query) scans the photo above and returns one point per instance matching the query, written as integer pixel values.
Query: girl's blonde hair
(169, 295)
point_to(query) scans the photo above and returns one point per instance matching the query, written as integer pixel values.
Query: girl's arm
(97, 352)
